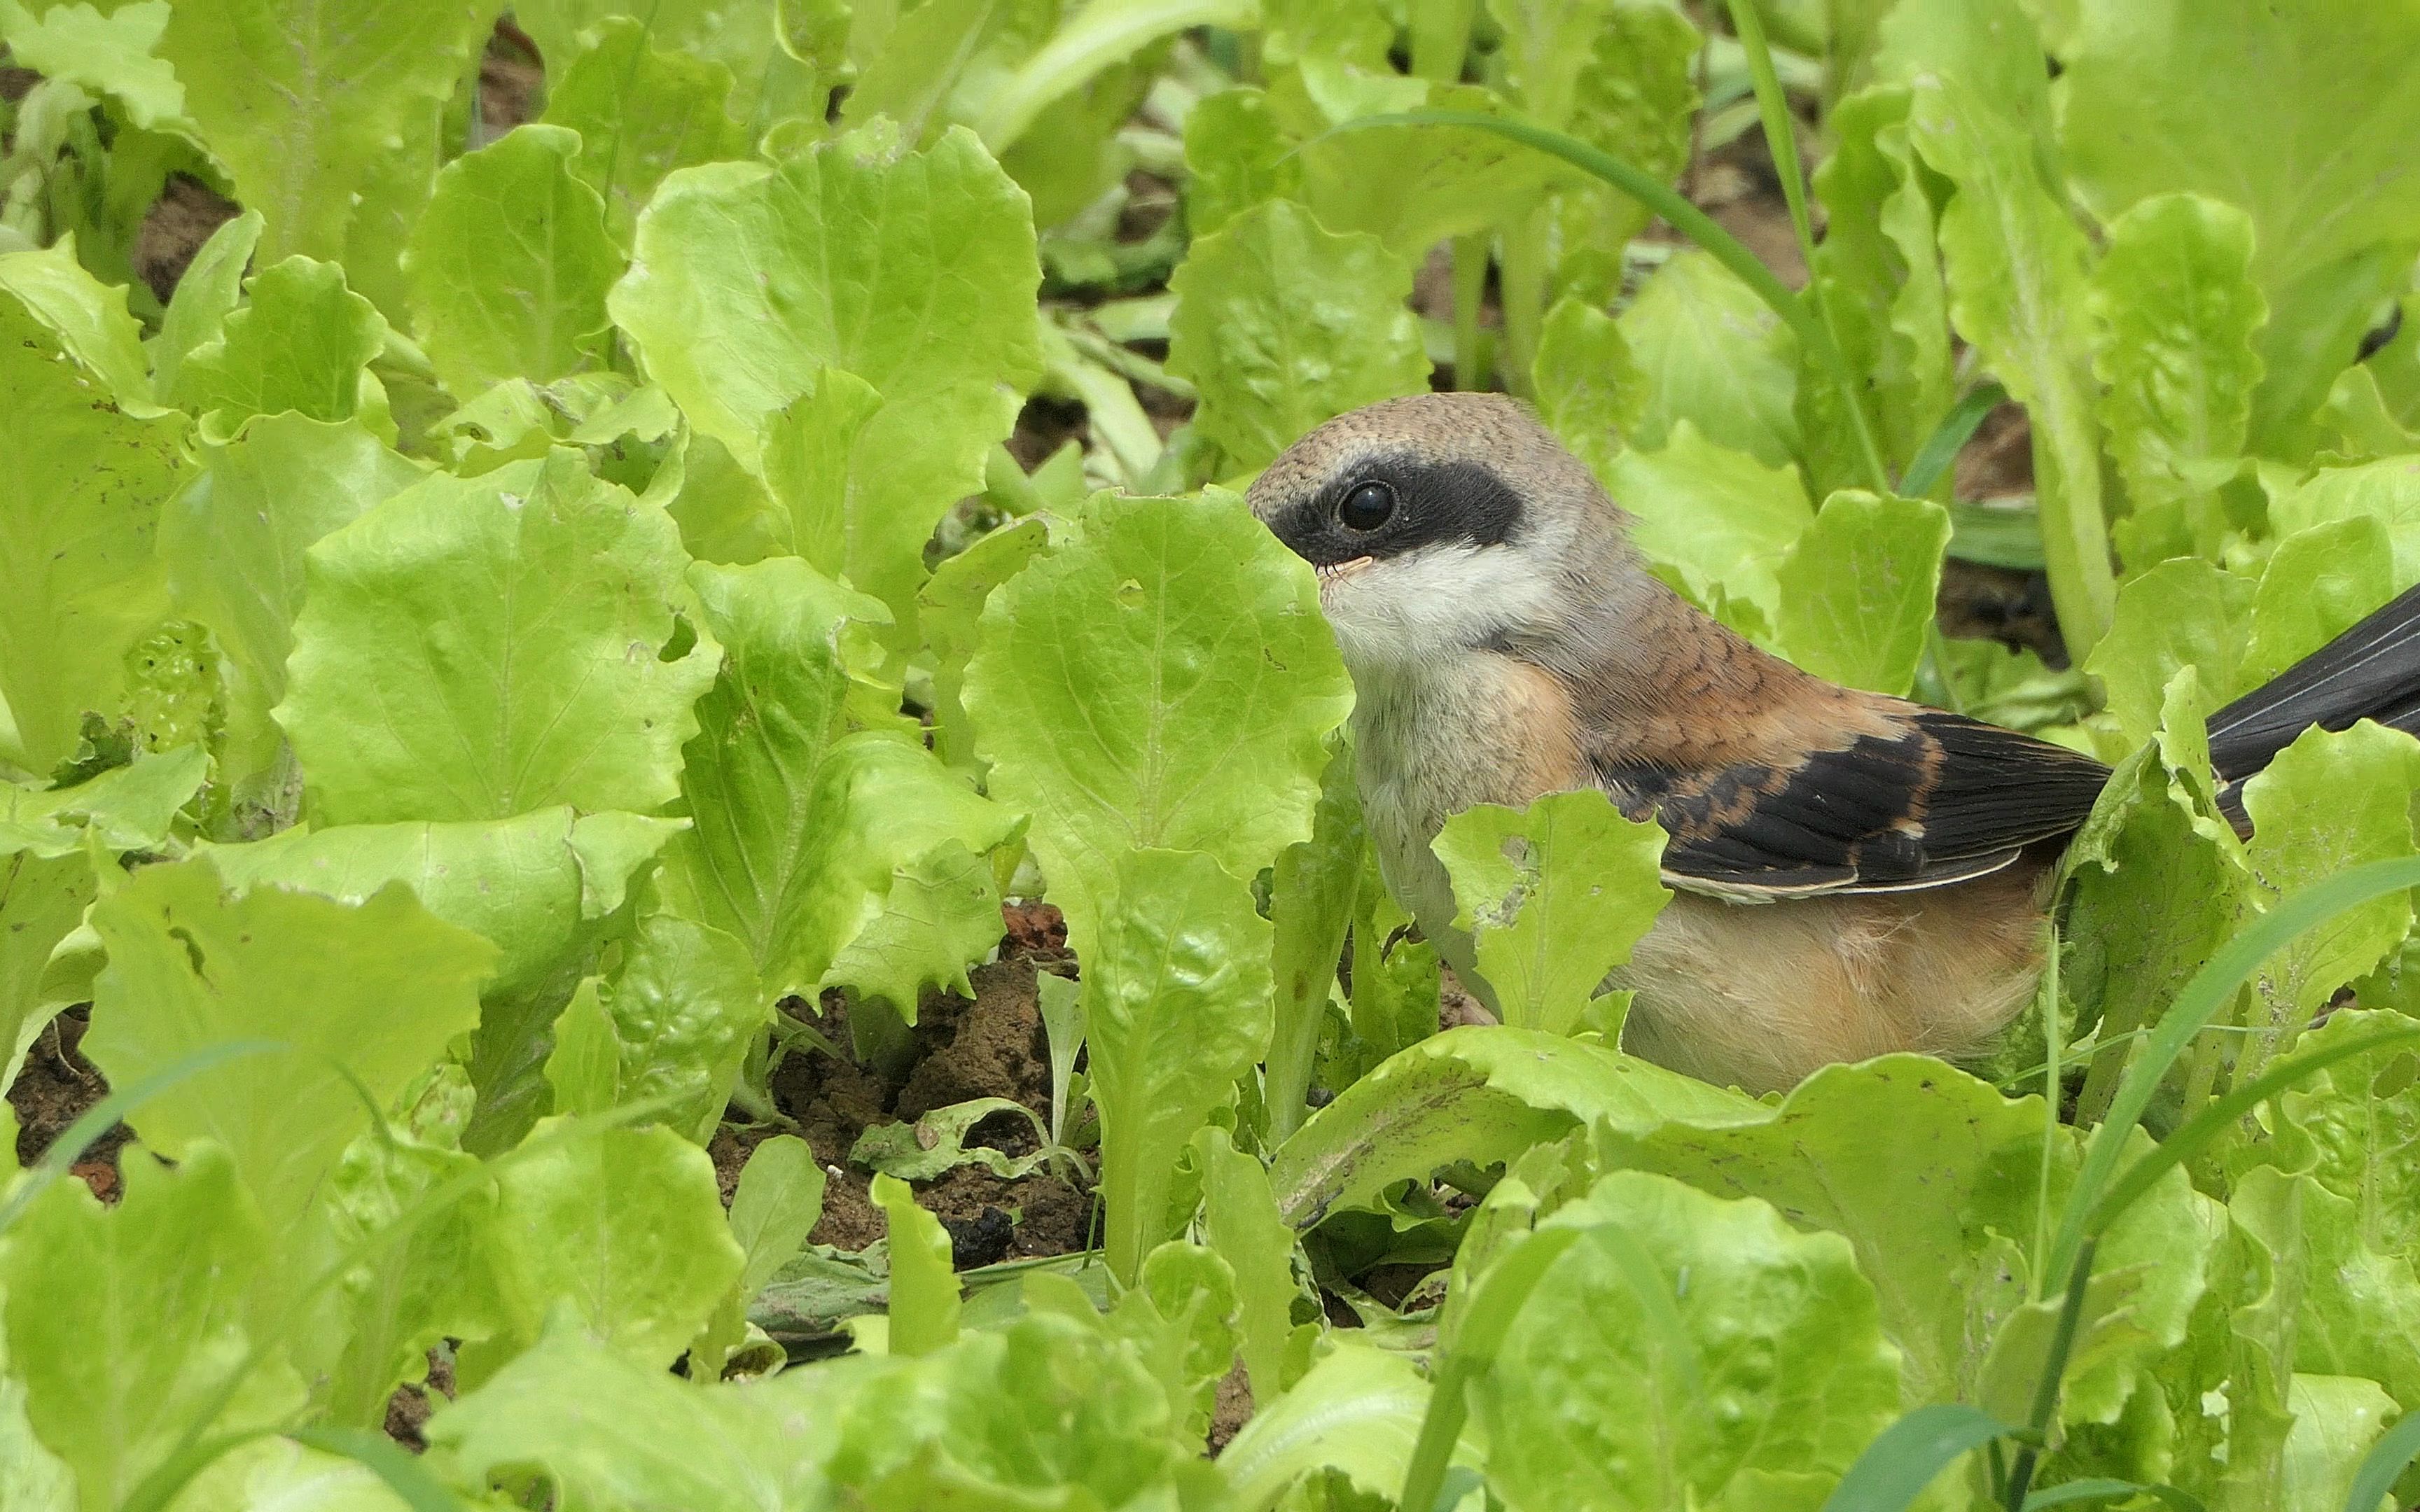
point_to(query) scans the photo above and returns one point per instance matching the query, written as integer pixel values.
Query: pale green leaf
(234, 542)
(304, 103)
(1176, 1007)
(1358, 1411)
(525, 883)
(509, 264)
(1917, 1165)
(1878, 272)
(1241, 1223)
(2179, 312)
(1481, 1095)
(583, 1071)
(1589, 390)
(914, 271)
(923, 1288)
(622, 1229)
(1556, 894)
(79, 584)
(686, 1005)
(1714, 355)
(2187, 612)
(1236, 155)
(802, 830)
(640, 112)
(2387, 490)
(948, 609)
(2326, 803)
(775, 1206)
(1280, 324)
(126, 1322)
(108, 53)
(2015, 259)
(478, 648)
(302, 343)
(1722, 520)
(82, 315)
(1687, 1351)
(2319, 582)
(1164, 681)
(197, 311)
(2292, 114)
(369, 1005)
(1858, 589)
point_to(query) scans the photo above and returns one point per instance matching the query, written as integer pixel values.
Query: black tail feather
(2371, 671)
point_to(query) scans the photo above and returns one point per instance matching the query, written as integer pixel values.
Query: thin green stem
(2062, 1344)
(1781, 140)
(1471, 255)
(2053, 1054)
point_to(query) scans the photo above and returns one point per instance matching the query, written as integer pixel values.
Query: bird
(1852, 875)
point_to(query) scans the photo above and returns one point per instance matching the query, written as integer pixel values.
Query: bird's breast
(1434, 739)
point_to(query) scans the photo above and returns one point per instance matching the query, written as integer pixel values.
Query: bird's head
(1438, 524)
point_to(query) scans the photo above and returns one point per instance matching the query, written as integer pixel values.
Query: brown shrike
(1852, 873)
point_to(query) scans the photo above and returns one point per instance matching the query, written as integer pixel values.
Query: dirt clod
(187, 213)
(983, 1239)
(54, 1090)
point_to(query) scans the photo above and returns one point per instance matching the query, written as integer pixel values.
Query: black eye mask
(1386, 506)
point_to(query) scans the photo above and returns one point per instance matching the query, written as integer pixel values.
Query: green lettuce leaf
(1554, 895)
(1241, 1223)
(1176, 1007)
(197, 311)
(1720, 520)
(479, 648)
(1714, 355)
(1935, 1178)
(1878, 272)
(1164, 681)
(2175, 300)
(620, 1231)
(1481, 1095)
(807, 840)
(127, 1323)
(641, 114)
(79, 584)
(913, 271)
(923, 1314)
(509, 264)
(1280, 324)
(1686, 1350)
(2381, 490)
(2015, 263)
(108, 53)
(1588, 388)
(529, 884)
(1858, 589)
(366, 1008)
(234, 542)
(2291, 114)
(84, 316)
(1358, 1412)
(302, 342)
(304, 108)
(2326, 803)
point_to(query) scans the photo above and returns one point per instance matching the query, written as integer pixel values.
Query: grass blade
(2384, 1464)
(1898, 1465)
(1956, 430)
(382, 1457)
(2110, 1491)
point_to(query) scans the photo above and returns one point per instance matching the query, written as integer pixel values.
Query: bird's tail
(2371, 671)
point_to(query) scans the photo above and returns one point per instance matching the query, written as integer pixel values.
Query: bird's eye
(1367, 507)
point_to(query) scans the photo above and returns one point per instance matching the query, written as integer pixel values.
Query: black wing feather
(1944, 800)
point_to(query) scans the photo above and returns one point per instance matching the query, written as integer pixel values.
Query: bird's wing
(1918, 798)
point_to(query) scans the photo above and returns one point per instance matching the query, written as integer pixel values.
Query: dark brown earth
(989, 1046)
(54, 1089)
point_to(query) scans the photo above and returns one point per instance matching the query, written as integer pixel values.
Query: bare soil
(57, 1087)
